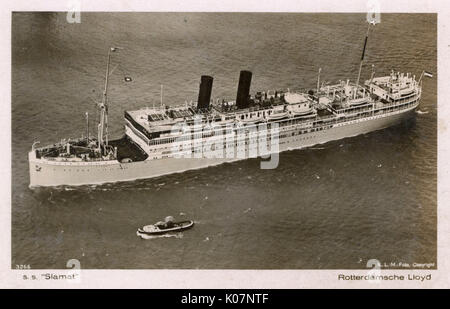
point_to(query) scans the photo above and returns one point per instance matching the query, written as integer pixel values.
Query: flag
(428, 74)
(113, 49)
(127, 79)
(373, 17)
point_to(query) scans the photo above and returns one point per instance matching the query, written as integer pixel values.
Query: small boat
(161, 228)
(277, 116)
(358, 101)
(303, 115)
(252, 120)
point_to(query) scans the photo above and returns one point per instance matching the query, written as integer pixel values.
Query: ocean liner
(171, 139)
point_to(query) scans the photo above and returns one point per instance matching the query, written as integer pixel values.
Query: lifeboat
(298, 110)
(310, 114)
(358, 101)
(252, 120)
(277, 115)
(406, 91)
(228, 121)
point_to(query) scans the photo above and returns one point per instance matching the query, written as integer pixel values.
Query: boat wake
(422, 112)
(168, 235)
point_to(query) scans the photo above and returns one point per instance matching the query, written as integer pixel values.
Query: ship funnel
(242, 98)
(204, 94)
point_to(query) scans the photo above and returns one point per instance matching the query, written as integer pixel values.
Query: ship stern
(35, 167)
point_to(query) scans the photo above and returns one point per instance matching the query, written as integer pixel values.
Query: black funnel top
(242, 98)
(204, 94)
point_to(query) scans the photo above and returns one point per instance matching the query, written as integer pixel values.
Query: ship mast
(87, 129)
(161, 96)
(318, 81)
(103, 125)
(362, 58)
(105, 97)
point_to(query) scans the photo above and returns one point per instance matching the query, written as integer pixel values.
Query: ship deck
(128, 149)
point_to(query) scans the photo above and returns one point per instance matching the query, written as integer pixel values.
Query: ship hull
(47, 173)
